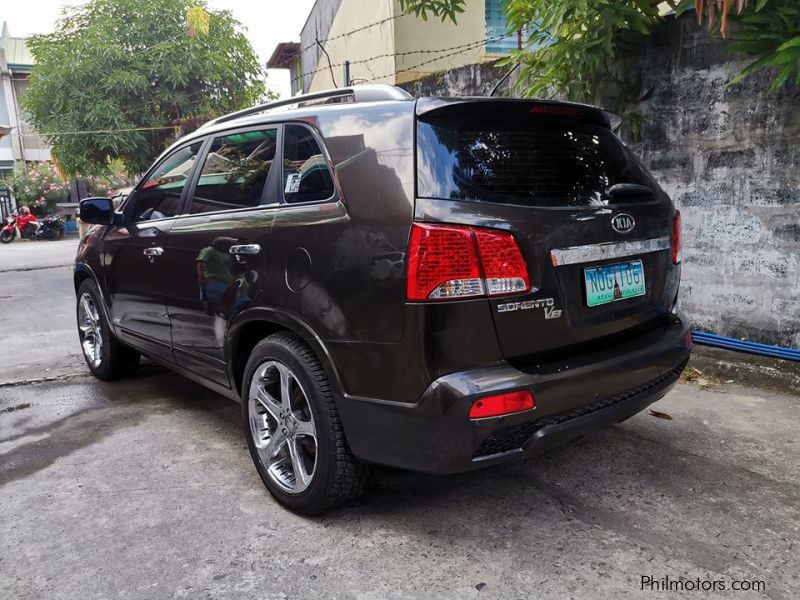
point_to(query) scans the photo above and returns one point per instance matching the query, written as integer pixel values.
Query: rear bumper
(573, 397)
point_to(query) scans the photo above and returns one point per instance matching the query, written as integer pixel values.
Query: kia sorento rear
(543, 271)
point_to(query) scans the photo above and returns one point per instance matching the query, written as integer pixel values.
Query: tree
(119, 79)
(573, 45)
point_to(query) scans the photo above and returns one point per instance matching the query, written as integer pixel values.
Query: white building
(22, 143)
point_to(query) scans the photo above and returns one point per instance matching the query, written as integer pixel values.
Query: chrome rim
(282, 427)
(91, 332)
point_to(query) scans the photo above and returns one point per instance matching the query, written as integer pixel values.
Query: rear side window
(235, 171)
(523, 159)
(306, 177)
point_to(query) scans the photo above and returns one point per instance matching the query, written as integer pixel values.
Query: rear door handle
(244, 250)
(151, 253)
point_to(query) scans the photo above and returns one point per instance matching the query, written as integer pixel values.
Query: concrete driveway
(37, 311)
(144, 489)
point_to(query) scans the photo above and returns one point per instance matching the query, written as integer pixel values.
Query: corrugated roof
(284, 55)
(18, 54)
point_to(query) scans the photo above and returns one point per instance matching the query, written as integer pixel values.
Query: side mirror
(97, 211)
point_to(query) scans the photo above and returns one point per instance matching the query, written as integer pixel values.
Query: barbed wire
(427, 62)
(459, 49)
(352, 31)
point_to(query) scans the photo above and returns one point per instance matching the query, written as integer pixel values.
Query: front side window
(306, 177)
(235, 171)
(159, 196)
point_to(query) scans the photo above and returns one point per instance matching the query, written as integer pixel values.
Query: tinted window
(306, 177)
(523, 159)
(159, 196)
(235, 171)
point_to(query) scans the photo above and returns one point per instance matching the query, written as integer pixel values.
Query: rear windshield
(523, 159)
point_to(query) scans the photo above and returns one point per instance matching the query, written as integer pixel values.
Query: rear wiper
(621, 190)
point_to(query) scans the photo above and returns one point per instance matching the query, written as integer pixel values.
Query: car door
(137, 277)
(312, 262)
(230, 209)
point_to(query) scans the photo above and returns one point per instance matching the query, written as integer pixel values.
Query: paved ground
(37, 311)
(26, 255)
(144, 489)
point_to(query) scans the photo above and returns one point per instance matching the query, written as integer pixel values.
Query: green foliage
(39, 187)
(573, 44)
(772, 33)
(444, 9)
(630, 91)
(137, 72)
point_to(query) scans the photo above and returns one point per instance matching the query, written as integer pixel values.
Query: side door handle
(152, 253)
(242, 251)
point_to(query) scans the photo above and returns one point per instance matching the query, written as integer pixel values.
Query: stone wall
(730, 159)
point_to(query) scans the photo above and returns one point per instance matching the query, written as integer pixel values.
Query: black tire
(115, 359)
(6, 237)
(338, 477)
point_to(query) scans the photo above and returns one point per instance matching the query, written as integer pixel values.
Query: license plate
(610, 283)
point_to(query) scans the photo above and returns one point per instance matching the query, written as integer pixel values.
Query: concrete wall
(730, 159)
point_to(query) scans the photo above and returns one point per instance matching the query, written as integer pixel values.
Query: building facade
(347, 42)
(22, 144)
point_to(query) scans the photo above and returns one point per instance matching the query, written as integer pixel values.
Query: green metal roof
(18, 56)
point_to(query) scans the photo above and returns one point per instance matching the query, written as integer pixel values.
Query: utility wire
(321, 47)
(455, 50)
(57, 133)
(502, 79)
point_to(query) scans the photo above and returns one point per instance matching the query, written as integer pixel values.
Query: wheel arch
(82, 273)
(253, 325)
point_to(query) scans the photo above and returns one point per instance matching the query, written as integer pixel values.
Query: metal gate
(6, 206)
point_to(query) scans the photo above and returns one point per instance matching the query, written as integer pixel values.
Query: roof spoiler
(432, 105)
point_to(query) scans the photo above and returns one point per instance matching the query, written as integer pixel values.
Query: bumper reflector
(502, 404)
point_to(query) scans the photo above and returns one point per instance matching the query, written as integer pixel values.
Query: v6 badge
(546, 304)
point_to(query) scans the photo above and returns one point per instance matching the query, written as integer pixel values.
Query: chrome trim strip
(594, 252)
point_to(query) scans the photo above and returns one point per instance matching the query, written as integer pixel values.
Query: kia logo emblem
(623, 223)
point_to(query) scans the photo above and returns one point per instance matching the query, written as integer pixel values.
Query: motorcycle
(49, 228)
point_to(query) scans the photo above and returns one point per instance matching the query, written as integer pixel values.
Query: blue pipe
(721, 341)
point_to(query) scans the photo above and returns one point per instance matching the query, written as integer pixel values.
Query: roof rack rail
(360, 93)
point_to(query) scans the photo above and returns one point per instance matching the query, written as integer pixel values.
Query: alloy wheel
(91, 332)
(282, 427)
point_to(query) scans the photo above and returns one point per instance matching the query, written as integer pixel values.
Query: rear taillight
(677, 241)
(502, 404)
(504, 269)
(454, 261)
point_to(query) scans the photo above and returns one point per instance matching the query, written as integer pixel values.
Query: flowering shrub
(39, 188)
